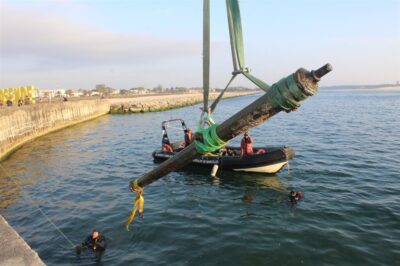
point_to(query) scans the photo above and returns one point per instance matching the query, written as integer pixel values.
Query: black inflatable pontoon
(271, 161)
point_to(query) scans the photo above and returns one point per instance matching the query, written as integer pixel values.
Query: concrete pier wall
(21, 124)
(14, 250)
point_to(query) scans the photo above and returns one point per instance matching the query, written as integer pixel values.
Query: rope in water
(31, 201)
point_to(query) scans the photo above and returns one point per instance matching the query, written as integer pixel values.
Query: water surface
(347, 163)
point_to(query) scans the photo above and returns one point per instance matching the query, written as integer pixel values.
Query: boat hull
(271, 162)
(268, 169)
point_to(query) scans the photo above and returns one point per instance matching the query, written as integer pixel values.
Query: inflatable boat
(263, 160)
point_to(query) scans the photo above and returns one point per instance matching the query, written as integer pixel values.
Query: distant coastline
(392, 88)
(363, 88)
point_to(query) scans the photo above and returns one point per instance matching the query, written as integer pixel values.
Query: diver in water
(95, 242)
(295, 196)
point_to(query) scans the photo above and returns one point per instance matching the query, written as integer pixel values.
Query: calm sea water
(347, 164)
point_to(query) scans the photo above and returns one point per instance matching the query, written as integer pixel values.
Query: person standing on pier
(27, 100)
(9, 102)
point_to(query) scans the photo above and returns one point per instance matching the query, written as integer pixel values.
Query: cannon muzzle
(322, 71)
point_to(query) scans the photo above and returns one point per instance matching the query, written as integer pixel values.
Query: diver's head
(292, 193)
(95, 233)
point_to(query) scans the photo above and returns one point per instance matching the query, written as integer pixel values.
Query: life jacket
(167, 148)
(246, 147)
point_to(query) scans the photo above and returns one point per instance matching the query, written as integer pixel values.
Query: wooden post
(251, 116)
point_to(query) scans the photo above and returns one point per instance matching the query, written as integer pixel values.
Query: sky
(131, 43)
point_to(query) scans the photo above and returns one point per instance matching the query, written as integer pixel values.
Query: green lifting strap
(261, 84)
(211, 141)
(235, 30)
(286, 94)
(206, 53)
(236, 35)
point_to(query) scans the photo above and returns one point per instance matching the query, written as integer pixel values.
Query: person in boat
(226, 151)
(260, 151)
(165, 144)
(246, 145)
(295, 196)
(223, 151)
(188, 137)
(167, 148)
(95, 241)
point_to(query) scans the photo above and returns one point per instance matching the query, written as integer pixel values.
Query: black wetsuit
(98, 243)
(293, 199)
(296, 197)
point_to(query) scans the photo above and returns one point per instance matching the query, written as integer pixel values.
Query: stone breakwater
(21, 124)
(158, 103)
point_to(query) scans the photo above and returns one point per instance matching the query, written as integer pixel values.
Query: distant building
(139, 90)
(114, 91)
(52, 93)
(77, 93)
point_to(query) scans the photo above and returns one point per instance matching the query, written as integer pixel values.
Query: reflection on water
(9, 194)
(347, 169)
(10, 189)
(14, 174)
(260, 181)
